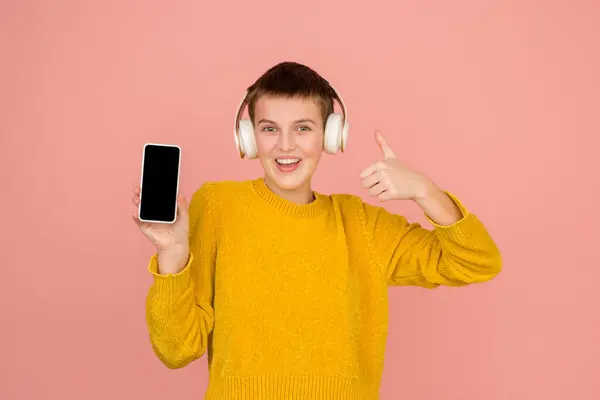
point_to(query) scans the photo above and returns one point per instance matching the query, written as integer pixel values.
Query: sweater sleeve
(410, 255)
(179, 311)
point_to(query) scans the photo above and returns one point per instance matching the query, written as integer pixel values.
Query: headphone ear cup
(247, 140)
(344, 143)
(332, 140)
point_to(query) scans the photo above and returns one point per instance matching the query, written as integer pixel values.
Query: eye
(304, 128)
(268, 129)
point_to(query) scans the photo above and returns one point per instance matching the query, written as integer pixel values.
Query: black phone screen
(160, 181)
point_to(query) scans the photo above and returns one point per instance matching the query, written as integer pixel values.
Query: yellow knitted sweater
(290, 301)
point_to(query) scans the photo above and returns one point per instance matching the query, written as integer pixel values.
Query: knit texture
(290, 301)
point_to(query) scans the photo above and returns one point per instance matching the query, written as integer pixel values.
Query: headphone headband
(244, 102)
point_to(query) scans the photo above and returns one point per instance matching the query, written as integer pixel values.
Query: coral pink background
(498, 101)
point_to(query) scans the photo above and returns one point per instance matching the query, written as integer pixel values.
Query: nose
(286, 140)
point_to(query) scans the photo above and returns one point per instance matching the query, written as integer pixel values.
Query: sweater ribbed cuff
(460, 230)
(170, 286)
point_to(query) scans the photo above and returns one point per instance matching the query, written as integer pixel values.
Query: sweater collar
(301, 210)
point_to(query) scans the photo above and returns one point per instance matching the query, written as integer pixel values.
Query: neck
(299, 195)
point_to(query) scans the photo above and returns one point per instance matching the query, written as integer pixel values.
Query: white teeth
(288, 161)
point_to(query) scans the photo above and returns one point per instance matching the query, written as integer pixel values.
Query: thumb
(182, 205)
(385, 148)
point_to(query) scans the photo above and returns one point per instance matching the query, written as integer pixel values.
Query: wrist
(172, 261)
(426, 191)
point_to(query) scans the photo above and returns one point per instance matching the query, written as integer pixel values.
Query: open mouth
(287, 164)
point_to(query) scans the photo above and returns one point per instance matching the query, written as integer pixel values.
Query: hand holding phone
(162, 212)
(171, 240)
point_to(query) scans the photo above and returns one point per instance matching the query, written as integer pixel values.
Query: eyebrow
(304, 120)
(299, 121)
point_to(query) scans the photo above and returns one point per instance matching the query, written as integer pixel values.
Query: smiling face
(289, 138)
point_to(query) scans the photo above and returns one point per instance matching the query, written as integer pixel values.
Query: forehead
(286, 109)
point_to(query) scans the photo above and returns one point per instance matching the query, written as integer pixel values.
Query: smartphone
(159, 185)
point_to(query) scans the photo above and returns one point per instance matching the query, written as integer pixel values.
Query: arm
(457, 252)
(179, 311)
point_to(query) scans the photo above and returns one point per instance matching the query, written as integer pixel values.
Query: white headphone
(335, 137)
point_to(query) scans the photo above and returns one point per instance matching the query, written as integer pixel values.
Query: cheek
(311, 145)
(265, 143)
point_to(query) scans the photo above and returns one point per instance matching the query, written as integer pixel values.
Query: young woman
(285, 288)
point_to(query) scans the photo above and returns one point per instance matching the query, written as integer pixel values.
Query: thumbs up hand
(390, 179)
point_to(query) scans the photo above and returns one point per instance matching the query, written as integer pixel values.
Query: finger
(377, 189)
(136, 219)
(371, 169)
(136, 190)
(136, 200)
(384, 196)
(371, 180)
(383, 145)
